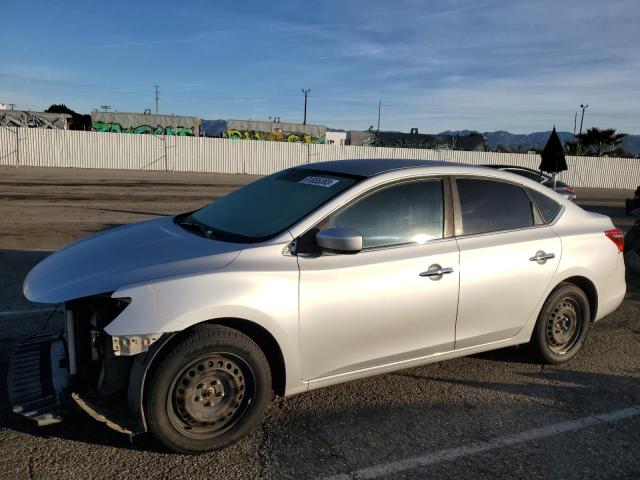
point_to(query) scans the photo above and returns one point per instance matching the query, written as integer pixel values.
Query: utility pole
(379, 110)
(306, 94)
(105, 108)
(156, 99)
(583, 107)
(12, 106)
(575, 121)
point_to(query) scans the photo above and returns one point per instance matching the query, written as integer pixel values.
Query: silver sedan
(309, 277)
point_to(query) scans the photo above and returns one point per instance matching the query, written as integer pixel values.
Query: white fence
(63, 148)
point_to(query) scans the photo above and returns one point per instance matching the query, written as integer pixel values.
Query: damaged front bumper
(82, 368)
(37, 378)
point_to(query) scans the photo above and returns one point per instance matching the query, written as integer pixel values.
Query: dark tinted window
(272, 204)
(410, 212)
(489, 206)
(548, 208)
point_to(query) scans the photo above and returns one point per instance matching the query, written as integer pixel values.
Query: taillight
(616, 236)
(569, 190)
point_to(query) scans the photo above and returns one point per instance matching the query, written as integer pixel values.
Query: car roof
(376, 166)
(511, 166)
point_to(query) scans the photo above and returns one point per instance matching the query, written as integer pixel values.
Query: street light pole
(379, 110)
(306, 94)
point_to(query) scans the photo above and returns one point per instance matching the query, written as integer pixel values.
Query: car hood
(122, 256)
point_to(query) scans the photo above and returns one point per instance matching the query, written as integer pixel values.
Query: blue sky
(521, 66)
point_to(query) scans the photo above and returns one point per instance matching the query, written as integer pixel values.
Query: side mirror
(339, 240)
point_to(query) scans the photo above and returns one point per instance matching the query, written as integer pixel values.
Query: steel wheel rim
(564, 325)
(210, 395)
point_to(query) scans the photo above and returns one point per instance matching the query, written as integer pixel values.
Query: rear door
(508, 257)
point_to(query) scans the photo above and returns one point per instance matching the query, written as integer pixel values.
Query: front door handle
(541, 257)
(435, 272)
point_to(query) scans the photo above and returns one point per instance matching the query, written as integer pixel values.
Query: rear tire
(562, 325)
(208, 391)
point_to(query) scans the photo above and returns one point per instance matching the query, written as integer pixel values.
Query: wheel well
(266, 342)
(144, 363)
(589, 289)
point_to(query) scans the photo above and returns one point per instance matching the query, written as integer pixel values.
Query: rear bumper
(38, 376)
(611, 290)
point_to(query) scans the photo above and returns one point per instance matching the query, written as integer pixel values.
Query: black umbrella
(553, 155)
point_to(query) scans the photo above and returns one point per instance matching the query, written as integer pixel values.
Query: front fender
(266, 298)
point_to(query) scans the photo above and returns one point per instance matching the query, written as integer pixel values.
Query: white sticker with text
(319, 181)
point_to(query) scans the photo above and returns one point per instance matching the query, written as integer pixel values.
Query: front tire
(562, 325)
(208, 391)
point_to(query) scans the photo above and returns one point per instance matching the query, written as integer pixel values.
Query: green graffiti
(114, 127)
(144, 129)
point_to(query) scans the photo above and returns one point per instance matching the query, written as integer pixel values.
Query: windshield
(269, 206)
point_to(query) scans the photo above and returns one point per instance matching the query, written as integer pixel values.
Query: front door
(383, 304)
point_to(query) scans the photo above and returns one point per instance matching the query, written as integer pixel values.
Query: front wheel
(562, 325)
(208, 392)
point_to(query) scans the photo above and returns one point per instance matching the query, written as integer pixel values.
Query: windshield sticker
(319, 181)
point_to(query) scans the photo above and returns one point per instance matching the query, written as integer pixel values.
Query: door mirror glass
(339, 240)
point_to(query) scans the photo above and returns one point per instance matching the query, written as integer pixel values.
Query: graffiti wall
(274, 131)
(415, 140)
(143, 129)
(116, 122)
(278, 136)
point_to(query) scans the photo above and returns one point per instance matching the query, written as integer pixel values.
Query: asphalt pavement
(494, 415)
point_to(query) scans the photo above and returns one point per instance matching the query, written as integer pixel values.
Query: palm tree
(600, 141)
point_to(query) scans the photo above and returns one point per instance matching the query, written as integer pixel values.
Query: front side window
(489, 206)
(270, 205)
(410, 212)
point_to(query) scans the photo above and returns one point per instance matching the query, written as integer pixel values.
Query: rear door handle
(435, 272)
(541, 257)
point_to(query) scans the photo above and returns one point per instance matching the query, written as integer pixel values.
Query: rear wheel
(562, 325)
(209, 391)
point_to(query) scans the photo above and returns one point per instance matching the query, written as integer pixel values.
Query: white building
(336, 138)
(3, 106)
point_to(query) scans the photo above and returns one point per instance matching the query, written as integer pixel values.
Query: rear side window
(548, 208)
(406, 213)
(489, 206)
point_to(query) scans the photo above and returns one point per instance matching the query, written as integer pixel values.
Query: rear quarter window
(548, 207)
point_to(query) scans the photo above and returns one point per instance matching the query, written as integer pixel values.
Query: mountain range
(537, 140)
